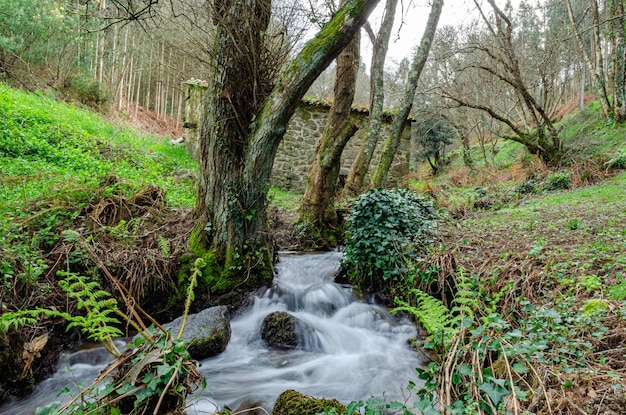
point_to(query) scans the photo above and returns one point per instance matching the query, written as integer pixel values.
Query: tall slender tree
(595, 66)
(360, 166)
(399, 121)
(317, 209)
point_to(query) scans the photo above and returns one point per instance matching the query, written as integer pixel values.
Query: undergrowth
(154, 375)
(55, 160)
(64, 170)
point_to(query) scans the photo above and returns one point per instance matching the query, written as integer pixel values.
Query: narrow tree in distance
(360, 166)
(393, 141)
(317, 210)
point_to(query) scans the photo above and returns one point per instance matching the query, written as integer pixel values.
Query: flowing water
(356, 351)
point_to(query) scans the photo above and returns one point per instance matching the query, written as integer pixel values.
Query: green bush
(557, 181)
(386, 229)
(85, 90)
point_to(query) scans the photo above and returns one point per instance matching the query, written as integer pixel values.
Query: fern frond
(429, 311)
(164, 246)
(21, 318)
(98, 322)
(465, 300)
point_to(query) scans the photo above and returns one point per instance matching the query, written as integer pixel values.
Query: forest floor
(560, 254)
(554, 268)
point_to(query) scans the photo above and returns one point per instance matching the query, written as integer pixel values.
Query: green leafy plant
(537, 247)
(429, 311)
(98, 322)
(618, 291)
(386, 229)
(486, 365)
(164, 246)
(573, 224)
(557, 181)
(156, 372)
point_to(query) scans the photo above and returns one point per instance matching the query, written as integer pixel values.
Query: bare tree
(419, 60)
(521, 110)
(317, 209)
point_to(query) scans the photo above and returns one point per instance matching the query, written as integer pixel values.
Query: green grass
(284, 200)
(586, 133)
(44, 143)
(55, 159)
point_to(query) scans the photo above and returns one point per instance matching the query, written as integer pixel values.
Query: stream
(358, 351)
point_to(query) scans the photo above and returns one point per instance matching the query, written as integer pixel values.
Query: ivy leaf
(142, 395)
(495, 392)
(164, 370)
(465, 369)
(520, 368)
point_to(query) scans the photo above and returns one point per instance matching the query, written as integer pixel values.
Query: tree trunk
(399, 121)
(241, 131)
(593, 69)
(317, 210)
(360, 166)
(619, 77)
(100, 46)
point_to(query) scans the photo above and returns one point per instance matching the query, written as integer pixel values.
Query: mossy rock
(206, 333)
(279, 330)
(291, 402)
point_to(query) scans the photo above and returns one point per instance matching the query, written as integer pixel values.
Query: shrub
(85, 90)
(557, 181)
(386, 229)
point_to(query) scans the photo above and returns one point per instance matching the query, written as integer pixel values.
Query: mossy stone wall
(297, 149)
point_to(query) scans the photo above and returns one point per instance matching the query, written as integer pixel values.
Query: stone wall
(297, 149)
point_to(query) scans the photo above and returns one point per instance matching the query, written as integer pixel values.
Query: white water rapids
(358, 350)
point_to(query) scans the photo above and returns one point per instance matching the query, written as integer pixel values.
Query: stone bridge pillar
(194, 99)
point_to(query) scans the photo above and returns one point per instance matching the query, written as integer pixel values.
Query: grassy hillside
(56, 160)
(125, 197)
(537, 256)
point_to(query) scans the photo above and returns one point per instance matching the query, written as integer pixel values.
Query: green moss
(279, 330)
(220, 278)
(292, 402)
(208, 344)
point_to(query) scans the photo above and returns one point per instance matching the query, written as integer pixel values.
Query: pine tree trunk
(100, 46)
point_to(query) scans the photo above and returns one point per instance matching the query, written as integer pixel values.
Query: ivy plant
(386, 230)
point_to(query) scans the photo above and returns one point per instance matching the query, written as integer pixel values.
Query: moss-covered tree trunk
(360, 166)
(419, 61)
(317, 210)
(242, 128)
